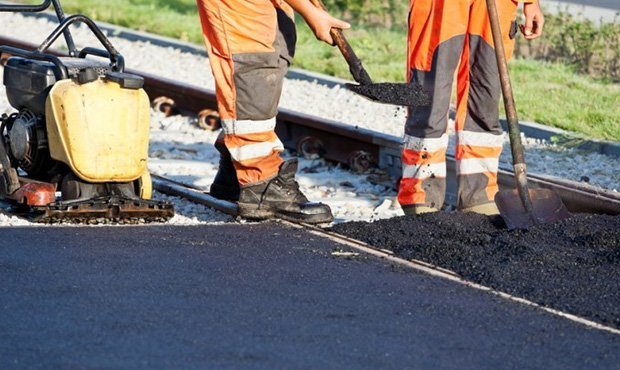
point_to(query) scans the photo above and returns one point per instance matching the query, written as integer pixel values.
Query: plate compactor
(76, 148)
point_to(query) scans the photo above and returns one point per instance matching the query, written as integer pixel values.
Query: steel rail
(343, 143)
(340, 142)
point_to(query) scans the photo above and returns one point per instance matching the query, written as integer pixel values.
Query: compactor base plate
(104, 210)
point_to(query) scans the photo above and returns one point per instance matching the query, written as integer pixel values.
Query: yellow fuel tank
(99, 129)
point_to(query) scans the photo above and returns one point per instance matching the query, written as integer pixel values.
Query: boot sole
(252, 212)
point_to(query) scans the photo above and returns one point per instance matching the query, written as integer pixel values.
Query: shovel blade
(547, 207)
(410, 95)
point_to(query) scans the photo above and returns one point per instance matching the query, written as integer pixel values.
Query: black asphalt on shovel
(387, 92)
(523, 207)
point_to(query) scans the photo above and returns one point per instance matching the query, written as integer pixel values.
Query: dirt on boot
(280, 197)
(573, 265)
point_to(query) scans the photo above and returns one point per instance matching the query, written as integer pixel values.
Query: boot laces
(290, 187)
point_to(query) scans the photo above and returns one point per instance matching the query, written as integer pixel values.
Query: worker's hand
(321, 23)
(534, 21)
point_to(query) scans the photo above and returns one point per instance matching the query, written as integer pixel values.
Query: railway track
(361, 149)
(358, 148)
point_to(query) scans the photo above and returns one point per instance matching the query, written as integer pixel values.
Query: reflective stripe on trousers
(446, 36)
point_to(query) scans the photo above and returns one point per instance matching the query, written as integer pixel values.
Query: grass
(173, 18)
(382, 52)
(550, 94)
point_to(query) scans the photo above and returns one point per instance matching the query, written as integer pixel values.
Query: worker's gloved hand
(321, 23)
(534, 21)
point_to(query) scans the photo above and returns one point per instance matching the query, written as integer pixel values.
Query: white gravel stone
(189, 213)
(8, 220)
(182, 151)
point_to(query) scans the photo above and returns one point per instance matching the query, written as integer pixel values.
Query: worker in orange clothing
(446, 36)
(251, 44)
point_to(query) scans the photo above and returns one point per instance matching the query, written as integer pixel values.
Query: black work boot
(225, 186)
(280, 197)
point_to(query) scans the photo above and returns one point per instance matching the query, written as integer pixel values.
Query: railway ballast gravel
(572, 266)
(335, 103)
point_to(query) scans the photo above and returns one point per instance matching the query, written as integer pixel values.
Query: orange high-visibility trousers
(251, 45)
(446, 35)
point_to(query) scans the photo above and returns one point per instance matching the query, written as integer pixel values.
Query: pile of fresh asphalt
(573, 265)
(411, 95)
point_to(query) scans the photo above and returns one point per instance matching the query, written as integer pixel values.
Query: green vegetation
(554, 95)
(382, 51)
(587, 47)
(549, 93)
(173, 18)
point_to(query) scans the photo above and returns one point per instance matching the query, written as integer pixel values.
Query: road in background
(594, 10)
(609, 4)
(257, 296)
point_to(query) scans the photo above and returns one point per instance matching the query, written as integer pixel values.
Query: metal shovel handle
(516, 146)
(355, 64)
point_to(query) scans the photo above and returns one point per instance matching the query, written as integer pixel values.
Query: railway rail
(361, 149)
(358, 148)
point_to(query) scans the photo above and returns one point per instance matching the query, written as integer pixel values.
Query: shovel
(387, 92)
(523, 207)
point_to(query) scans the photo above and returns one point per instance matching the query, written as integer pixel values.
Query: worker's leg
(251, 44)
(244, 53)
(479, 134)
(226, 184)
(436, 35)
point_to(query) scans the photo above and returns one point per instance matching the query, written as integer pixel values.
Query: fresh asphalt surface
(256, 296)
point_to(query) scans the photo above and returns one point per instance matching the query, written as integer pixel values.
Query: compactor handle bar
(25, 8)
(110, 52)
(117, 61)
(39, 8)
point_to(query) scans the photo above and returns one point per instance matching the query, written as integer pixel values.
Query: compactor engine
(77, 145)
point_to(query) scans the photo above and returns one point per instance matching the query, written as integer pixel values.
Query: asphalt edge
(439, 272)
